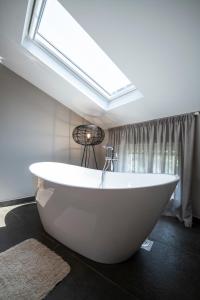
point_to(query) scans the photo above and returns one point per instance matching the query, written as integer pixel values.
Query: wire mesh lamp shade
(88, 136)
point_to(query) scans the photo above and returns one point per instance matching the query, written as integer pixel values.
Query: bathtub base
(91, 256)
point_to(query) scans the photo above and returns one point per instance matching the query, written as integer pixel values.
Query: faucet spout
(110, 157)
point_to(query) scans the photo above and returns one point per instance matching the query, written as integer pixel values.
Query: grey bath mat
(29, 271)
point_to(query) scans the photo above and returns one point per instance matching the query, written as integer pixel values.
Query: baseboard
(17, 201)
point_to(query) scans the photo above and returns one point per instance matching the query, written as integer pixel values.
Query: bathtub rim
(176, 178)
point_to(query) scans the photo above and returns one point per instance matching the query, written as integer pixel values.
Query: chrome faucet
(110, 158)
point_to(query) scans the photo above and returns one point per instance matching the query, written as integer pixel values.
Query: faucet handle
(108, 147)
(115, 156)
(109, 151)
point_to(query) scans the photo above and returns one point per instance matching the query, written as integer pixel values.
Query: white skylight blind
(60, 34)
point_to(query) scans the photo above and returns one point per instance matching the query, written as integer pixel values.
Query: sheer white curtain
(160, 146)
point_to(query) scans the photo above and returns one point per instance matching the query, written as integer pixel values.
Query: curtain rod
(195, 113)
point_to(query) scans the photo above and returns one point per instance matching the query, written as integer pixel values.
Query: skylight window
(55, 30)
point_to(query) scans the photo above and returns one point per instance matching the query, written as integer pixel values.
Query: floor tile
(8, 219)
(159, 274)
(84, 284)
(28, 215)
(170, 270)
(16, 228)
(173, 233)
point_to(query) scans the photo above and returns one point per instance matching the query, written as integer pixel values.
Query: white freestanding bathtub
(104, 224)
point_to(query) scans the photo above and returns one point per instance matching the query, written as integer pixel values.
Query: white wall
(33, 127)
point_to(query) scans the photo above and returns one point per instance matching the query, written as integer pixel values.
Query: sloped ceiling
(155, 43)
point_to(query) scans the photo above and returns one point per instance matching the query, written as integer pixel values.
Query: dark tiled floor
(170, 270)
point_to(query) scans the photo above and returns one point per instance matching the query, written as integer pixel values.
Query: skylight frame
(45, 45)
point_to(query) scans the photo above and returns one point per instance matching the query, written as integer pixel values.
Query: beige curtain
(160, 146)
